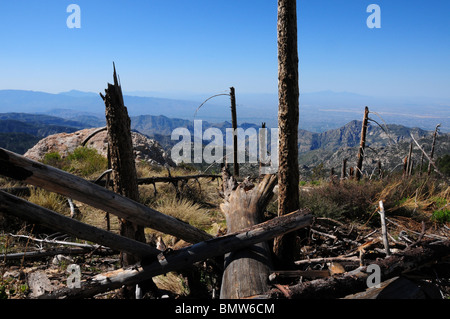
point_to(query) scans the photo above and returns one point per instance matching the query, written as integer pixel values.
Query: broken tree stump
(246, 271)
(120, 147)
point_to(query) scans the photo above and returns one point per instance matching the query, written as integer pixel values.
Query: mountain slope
(388, 144)
(318, 111)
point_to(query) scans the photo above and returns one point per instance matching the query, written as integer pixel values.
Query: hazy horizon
(191, 50)
(207, 46)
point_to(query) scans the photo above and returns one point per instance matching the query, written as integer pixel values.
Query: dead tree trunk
(432, 147)
(405, 166)
(362, 145)
(288, 118)
(246, 271)
(235, 137)
(344, 169)
(122, 159)
(409, 162)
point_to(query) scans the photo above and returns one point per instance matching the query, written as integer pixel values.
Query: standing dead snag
(122, 158)
(120, 150)
(432, 147)
(362, 144)
(235, 137)
(288, 118)
(247, 270)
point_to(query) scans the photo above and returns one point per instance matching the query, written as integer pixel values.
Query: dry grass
(51, 201)
(422, 198)
(186, 211)
(172, 282)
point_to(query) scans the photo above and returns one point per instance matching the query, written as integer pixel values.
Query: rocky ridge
(145, 149)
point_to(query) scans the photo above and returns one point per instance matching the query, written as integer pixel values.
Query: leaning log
(246, 271)
(180, 259)
(339, 286)
(25, 210)
(25, 190)
(31, 172)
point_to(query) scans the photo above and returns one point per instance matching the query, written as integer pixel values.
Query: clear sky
(209, 45)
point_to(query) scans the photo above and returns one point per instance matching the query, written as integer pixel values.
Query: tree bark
(246, 271)
(123, 164)
(288, 119)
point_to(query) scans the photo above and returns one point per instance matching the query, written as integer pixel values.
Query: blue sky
(206, 46)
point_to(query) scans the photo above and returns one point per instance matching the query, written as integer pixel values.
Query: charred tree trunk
(122, 158)
(362, 145)
(288, 118)
(262, 149)
(247, 270)
(344, 169)
(235, 137)
(124, 177)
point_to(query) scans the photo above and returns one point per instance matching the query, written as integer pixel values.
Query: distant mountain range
(387, 144)
(319, 112)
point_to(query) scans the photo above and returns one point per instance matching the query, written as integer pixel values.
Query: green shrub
(443, 163)
(441, 216)
(86, 161)
(83, 161)
(341, 201)
(53, 159)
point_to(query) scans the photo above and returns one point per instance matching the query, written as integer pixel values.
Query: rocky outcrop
(145, 149)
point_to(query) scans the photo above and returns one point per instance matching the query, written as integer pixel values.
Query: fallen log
(341, 285)
(52, 179)
(171, 179)
(399, 288)
(180, 259)
(57, 251)
(25, 190)
(23, 209)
